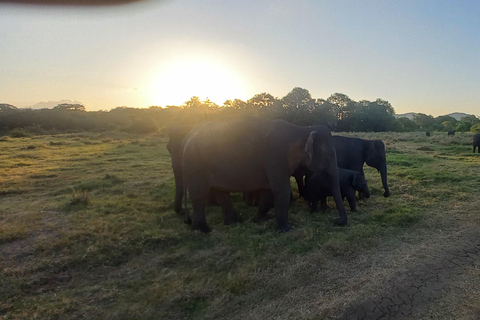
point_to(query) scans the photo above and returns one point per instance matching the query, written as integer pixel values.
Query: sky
(421, 56)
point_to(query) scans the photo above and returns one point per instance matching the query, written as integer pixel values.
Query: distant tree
(261, 100)
(298, 105)
(194, 102)
(70, 107)
(343, 105)
(372, 116)
(323, 113)
(466, 123)
(475, 127)
(423, 121)
(261, 104)
(447, 125)
(441, 119)
(7, 107)
(298, 98)
(387, 106)
(405, 125)
(235, 104)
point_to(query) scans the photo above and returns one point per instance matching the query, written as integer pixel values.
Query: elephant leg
(199, 196)
(281, 195)
(229, 214)
(350, 195)
(335, 189)
(265, 204)
(212, 199)
(300, 185)
(383, 174)
(314, 206)
(323, 203)
(178, 192)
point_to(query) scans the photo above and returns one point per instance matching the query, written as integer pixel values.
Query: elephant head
(320, 152)
(360, 184)
(322, 157)
(375, 157)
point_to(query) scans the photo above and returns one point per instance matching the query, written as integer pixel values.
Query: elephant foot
(341, 221)
(202, 227)
(284, 228)
(187, 220)
(179, 210)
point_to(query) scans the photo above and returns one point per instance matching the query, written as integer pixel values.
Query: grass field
(87, 230)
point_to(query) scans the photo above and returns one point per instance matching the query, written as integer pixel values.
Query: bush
(19, 133)
(142, 126)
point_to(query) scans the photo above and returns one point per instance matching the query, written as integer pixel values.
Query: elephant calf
(317, 188)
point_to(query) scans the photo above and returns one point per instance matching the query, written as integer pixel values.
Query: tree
(261, 100)
(70, 107)
(298, 98)
(372, 116)
(5, 107)
(235, 104)
(466, 123)
(405, 125)
(423, 121)
(342, 103)
(298, 105)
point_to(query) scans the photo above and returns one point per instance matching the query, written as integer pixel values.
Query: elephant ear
(309, 147)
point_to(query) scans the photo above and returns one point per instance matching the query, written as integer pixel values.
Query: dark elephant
(250, 154)
(318, 187)
(427, 133)
(476, 142)
(352, 153)
(174, 147)
(451, 132)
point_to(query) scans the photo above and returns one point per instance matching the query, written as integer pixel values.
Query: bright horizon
(420, 56)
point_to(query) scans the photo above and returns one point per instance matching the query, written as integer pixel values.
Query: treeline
(338, 111)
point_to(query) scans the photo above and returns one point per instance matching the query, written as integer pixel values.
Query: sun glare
(177, 82)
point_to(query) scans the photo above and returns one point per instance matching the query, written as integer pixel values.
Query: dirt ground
(428, 275)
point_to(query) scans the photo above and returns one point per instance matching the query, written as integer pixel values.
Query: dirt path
(428, 274)
(414, 297)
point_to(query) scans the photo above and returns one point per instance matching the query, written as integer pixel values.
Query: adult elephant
(174, 147)
(352, 153)
(476, 142)
(249, 154)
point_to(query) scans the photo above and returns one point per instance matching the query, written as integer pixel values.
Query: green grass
(87, 228)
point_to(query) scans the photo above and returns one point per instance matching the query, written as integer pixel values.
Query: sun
(179, 80)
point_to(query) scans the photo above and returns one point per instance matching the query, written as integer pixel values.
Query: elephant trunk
(383, 174)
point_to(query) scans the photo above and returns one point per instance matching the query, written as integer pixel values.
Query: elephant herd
(258, 156)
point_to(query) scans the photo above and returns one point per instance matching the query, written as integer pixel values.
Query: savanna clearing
(87, 230)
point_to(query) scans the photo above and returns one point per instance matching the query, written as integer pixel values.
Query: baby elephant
(317, 188)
